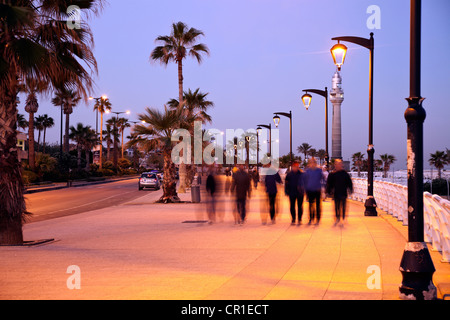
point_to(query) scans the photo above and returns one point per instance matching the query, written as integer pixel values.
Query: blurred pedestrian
(241, 185)
(270, 181)
(313, 186)
(339, 185)
(295, 190)
(255, 177)
(211, 189)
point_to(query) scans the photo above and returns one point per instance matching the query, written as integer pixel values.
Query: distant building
(336, 98)
(22, 153)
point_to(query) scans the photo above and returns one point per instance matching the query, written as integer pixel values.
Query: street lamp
(307, 98)
(276, 120)
(270, 135)
(338, 52)
(258, 132)
(416, 266)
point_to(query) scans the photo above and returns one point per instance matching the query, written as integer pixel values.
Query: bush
(29, 177)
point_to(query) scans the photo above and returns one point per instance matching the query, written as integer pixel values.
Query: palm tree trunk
(43, 142)
(87, 159)
(39, 139)
(101, 141)
(108, 151)
(182, 169)
(169, 182)
(78, 157)
(66, 136)
(12, 208)
(31, 152)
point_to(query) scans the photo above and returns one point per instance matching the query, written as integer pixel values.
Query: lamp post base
(371, 207)
(417, 270)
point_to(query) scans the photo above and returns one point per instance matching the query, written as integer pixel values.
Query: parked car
(158, 173)
(149, 180)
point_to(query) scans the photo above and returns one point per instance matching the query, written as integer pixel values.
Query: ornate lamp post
(339, 52)
(276, 120)
(307, 98)
(416, 266)
(270, 135)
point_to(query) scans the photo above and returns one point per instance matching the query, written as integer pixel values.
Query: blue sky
(263, 53)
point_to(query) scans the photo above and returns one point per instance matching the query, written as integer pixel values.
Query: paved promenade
(142, 250)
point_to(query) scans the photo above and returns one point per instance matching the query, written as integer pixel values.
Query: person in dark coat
(294, 189)
(270, 181)
(339, 184)
(313, 185)
(242, 187)
(211, 189)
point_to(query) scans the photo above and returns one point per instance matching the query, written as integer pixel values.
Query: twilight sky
(263, 54)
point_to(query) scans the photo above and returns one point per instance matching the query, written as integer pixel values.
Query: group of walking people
(314, 183)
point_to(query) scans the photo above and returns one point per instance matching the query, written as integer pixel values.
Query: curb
(78, 185)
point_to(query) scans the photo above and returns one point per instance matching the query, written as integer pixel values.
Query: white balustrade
(393, 198)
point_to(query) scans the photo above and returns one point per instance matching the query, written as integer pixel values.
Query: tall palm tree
(67, 99)
(32, 87)
(114, 122)
(358, 161)
(156, 133)
(108, 136)
(47, 123)
(123, 124)
(387, 160)
(321, 154)
(181, 42)
(90, 140)
(35, 42)
(102, 106)
(438, 160)
(77, 135)
(305, 149)
(39, 126)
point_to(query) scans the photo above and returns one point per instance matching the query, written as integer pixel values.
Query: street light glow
(339, 51)
(306, 98)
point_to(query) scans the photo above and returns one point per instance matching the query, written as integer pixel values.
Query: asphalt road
(58, 203)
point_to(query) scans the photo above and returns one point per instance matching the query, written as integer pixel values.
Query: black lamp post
(306, 98)
(258, 132)
(416, 266)
(276, 120)
(270, 136)
(339, 52)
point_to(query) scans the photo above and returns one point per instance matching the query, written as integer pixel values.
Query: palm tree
(358, 162)
(38, 125)
(32, 87)
(102, 106)
(108, 135)
(36, 43)
(156, 133)
(47, 123)
(305, 149)
(438, 160)
(181, 42)
(195, 106)
(387, 160)
(122, 125)
(77, 134)
(321, 154)
(67, 99)
(21, 121)
(90, 140)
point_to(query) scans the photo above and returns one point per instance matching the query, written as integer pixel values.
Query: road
(58, 203)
